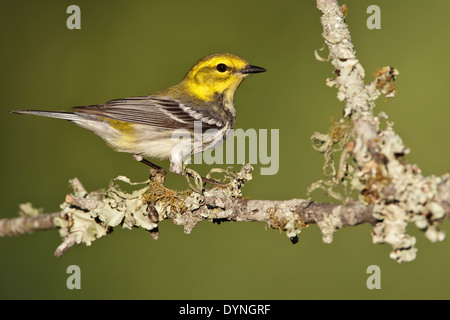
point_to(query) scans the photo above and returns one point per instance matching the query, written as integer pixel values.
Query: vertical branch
(399, 193)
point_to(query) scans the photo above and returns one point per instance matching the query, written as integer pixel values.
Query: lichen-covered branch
(379, 171)
(87, 216)
(27, 223)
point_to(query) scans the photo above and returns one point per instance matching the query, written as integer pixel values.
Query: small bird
(200, 107)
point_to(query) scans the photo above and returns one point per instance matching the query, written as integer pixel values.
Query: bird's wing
(154, 111)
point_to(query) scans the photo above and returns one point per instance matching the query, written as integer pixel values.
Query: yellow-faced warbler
(151, 126)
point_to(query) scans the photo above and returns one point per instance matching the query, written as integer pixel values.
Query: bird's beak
(248, 69)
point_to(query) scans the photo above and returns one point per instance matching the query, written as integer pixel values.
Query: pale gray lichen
(292, 225)
(27, 210)
(379, 173)
(215, 201)
(232, 188)
(285, 217)
(401, 195)
(392, 230)
(330, 223)
(336, 183)
(89, 216)
(193, 201)
(414, 197)
(80, 224)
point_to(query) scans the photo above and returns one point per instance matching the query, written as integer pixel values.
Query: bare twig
(23, 225)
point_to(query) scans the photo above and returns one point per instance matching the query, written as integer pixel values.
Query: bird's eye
(221, 67)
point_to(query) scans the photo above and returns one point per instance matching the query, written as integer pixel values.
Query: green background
(132, 48)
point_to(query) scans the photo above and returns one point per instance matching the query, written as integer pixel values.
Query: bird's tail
(51, 114)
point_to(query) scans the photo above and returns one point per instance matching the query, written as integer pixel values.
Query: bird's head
(218, 75)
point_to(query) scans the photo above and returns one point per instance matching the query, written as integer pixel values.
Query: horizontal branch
(288, 215)
(236, 210)
(87, 216)
(24, 225)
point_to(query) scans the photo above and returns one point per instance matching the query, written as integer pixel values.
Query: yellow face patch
(215, 74)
